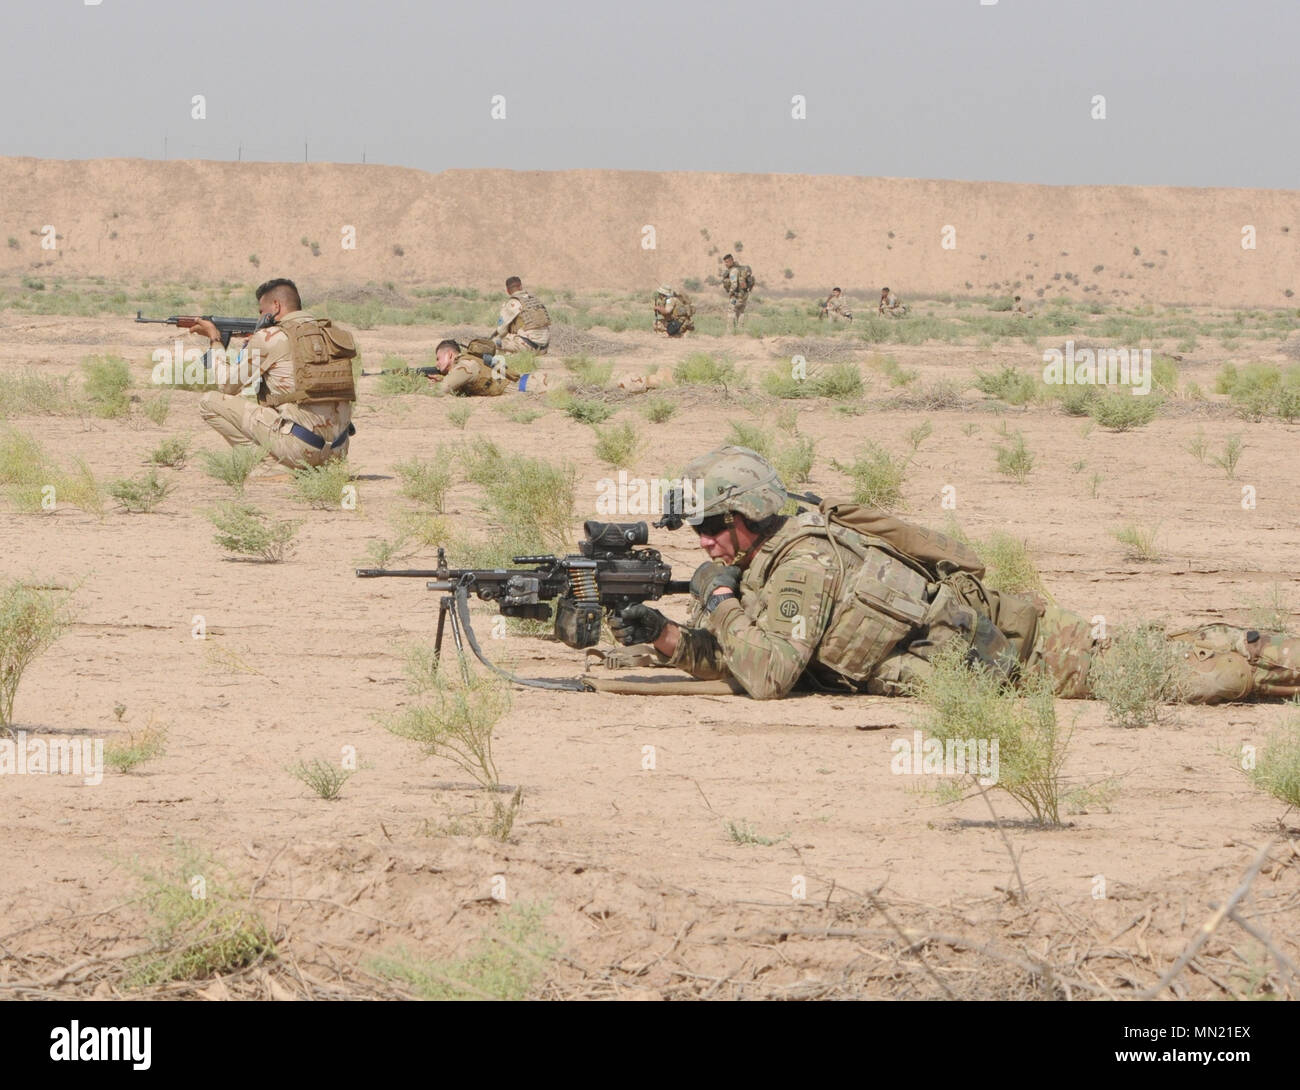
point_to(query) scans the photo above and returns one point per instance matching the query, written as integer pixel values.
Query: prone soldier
(848, 599)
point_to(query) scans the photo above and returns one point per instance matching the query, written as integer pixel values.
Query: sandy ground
(647, 892)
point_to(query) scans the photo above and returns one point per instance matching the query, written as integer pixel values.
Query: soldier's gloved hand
(703, 578)
(637, 623)
(724, 584)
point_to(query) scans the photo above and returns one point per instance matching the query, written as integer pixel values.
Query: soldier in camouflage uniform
(836, 308)
(849, 599)
(673, 312)
(474, 371)
(523, 324)
(737, 282)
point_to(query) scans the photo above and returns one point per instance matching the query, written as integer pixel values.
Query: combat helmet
(664, 290)
(734, 480)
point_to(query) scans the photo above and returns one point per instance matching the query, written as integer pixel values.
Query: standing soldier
(849, 599)
(836, 308)
(302, 367)
(673, 312)
(890, 305)
(524, 325)
(737, 282)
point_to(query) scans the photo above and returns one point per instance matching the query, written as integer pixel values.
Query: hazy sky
(1197, 93)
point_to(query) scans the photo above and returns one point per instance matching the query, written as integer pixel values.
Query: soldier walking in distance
(737, 282)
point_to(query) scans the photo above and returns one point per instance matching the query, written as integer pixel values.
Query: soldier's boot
(1227, 663)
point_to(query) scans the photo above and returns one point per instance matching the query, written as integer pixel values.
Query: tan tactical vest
(533, 316)
(900, 582)
(486, 380)
(322, 355)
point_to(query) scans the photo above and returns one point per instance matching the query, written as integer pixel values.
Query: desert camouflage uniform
(469, 376)
(511, 334)
(241, 421)
(836, 309)
(889, 304)
(670, 305)
(733, 282)
(770, 637)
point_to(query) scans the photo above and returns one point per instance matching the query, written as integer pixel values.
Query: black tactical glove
(637, 623)
(703, 578)
(726, 577)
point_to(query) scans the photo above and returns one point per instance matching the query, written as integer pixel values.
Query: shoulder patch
(789, 607)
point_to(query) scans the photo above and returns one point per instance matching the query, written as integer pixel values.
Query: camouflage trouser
(736, 314)
(1224, 663)
(535, 340)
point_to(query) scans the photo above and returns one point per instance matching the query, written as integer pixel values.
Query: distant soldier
(524, 325)
(835, 308)
(890, 305)
(673, 312)
(302, 372)
(737, 282)
(1017, 307)
(474, 371)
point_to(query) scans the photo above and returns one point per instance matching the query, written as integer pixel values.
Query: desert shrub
(1277, 764)
(1261, 389)
(588, 410)
(1137, 675)
(753, 436)
(618, 444)
(171, 452)
(458, 414)
(1015, 460)
(589, 372)
(520, 414)
(1009, 565)
(1271, 613)
(701, 369)
(427, 481)
(530, 498)
(244, 530)
(1077, 400)
(324, 487)
(877, 477)
(140, 746)
(323, 777)
(157, 407)
(197, 937)
(1009, 384)
(232, 465)
(1227, 461)
(1123, 411)
(839, 382)
(33, 394)
(139, 494)
(1139, 541)
(965, 705)
(896, 375)
(31, 619)
(658, 409)
(106, 380)
(794, 461)
(507, 964)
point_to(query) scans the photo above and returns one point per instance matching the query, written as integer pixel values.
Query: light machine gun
(609, 572)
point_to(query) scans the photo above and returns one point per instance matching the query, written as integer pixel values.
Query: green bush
(232, 465)
(877, 477)
(325, 487)
(618, 444)
(701, 369)
(1138, 673)
(244, 530)
(106, 382)
(1009, 385)
(658, 409)
(427, 481)
(1277, 765)
(172, 451)
(1123, 411)
(753, 436)
(141, 493)
(588, 371)
(31, 619)
(1016, 460)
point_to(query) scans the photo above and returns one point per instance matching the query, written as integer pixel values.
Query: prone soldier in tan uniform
(302, 412)
(473, 371)
(847, 598)
(836, 308)
(524, 324)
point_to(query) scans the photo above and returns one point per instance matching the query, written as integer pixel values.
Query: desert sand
(647, 894)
